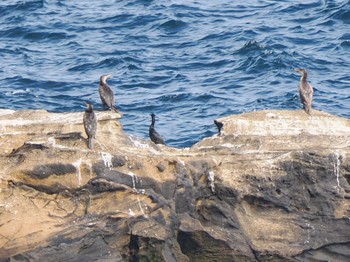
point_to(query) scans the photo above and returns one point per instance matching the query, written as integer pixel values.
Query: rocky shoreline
(273, 186)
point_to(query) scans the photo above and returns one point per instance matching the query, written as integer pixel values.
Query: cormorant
(219, 125)
(153, 134)
(106, 93)
(90, 124)
(305, 90)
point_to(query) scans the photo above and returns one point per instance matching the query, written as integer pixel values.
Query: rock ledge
(273, 186)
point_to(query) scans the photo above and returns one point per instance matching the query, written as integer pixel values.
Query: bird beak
(297, 70)
(88, 104)
(108, 76)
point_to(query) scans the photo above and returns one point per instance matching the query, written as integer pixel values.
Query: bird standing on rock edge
(305, 90)
(106, 93)
(219, 126)
(153, 134)
(90, 124)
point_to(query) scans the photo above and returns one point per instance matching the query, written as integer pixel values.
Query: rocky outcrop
(273, 186)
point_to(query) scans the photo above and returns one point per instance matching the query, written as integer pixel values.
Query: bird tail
(307, 109)
(115, 109)
(90, 143)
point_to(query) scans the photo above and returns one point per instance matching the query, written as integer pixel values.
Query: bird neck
(153, 121)
(89, 109)
(304, 77)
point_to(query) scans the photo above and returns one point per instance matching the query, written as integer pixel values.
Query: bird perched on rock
(90, 124)
(153, 134)
(219, 125)
(305, 90)
(106, 93)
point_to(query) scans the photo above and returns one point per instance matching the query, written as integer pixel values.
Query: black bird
(219, 125)
(90, 124)
(153, 134)
(106, 93)
(305, 90)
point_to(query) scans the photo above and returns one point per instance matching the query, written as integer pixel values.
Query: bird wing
(106, 95)
(90, 124)
(155, 136)
(160, 139)
(306, 95)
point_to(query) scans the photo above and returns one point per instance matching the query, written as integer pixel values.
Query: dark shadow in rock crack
(58, 169)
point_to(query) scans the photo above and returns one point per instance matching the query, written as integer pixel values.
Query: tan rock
(274, 185)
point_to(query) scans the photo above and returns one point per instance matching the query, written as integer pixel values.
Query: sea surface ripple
(189, 62)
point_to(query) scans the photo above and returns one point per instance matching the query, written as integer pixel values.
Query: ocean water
(189, 62)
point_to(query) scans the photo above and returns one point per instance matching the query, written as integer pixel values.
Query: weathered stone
(168, 189)
(162, 166)
(118, 161)
(44, 171)
(274, 186)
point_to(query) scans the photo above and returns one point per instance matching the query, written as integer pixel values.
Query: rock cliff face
(273, 186)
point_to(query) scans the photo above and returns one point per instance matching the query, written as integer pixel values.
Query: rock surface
(273, 186)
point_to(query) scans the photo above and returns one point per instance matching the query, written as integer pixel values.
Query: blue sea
(189, 62)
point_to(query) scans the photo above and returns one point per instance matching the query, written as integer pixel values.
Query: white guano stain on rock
(136, 181)
(211, 179)
(336, 157)
(107, 159)
(77, 165)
